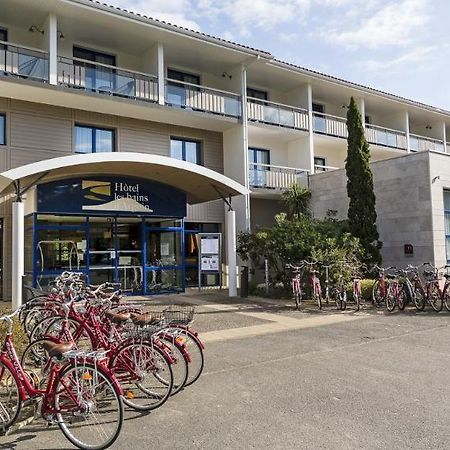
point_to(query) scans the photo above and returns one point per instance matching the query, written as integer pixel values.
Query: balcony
(386, 137)
(318, 168)
(104, 79)
(421, 143)
(329, 125)
(277, 114)
(23, 62)
(267, 176)
(200, 98)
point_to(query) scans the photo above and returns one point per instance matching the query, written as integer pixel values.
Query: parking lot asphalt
(281, 379)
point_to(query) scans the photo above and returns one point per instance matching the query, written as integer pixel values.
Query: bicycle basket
(179, 314)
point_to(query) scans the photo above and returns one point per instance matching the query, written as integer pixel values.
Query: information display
(210, 257)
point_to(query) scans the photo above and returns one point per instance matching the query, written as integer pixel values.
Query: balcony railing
(278, 114)
(106, 79)
(329, 125)
(200, 98)
(25, 62)
(320, 168)
(421, 143)
(385, 137)
(267, 176)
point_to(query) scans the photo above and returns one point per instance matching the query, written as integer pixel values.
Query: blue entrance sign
(111, 195)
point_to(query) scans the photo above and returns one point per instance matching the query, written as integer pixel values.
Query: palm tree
(296, 199)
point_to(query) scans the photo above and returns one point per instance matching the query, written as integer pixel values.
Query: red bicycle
(81, 395)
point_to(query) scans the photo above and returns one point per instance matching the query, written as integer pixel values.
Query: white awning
(199, 183)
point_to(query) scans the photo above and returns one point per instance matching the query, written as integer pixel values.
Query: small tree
(362, 215)
(296, 199)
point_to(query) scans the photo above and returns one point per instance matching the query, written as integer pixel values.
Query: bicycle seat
(143, 319)
(117, 317)
(56, 350)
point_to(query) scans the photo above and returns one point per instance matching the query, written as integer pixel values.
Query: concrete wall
(402, 189)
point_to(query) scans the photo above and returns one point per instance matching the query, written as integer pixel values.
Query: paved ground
(280, 379)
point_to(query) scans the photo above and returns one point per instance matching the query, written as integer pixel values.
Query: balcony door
(319, 121)
(178, 93)
(259, 160)
(97, 78)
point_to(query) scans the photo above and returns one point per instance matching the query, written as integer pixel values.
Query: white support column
(362, 110)
(51, 31)
(231, 253)
(444, 136)
(311, 130)
(161, 76)
(18, 252)
(408, 146)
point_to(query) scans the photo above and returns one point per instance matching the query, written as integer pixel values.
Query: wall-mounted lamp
(227, 75)
(60, 34)
(35, 28)
(429, 127)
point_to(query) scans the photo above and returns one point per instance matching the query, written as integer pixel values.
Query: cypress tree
(362, 215)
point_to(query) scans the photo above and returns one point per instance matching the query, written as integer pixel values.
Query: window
(2, 129)
(183, 76)
(447, 223)
(319, 121)
(186, 150)
(257, 93)
(94, 140)
(319, 163)
(3, 37)
(368, 120)
(97, 77)
(257, 172)
(318, 108)
(176, 92)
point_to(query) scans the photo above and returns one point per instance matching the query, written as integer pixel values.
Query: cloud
(177, 12)
(420, 57)
(397, 23)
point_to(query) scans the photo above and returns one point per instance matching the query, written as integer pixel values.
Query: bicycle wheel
(343, 300)
(419, 298)
(447, 300)
(391, 301)
(338, 299)
(357, 299)
(195, 351)
(89, 410)
(435, 299)
(77, 331)
(145, 374)
(10, 402)
(179, 363)
(402, 299)
(377, 294)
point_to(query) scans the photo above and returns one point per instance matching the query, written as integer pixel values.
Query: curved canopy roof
(199, 183)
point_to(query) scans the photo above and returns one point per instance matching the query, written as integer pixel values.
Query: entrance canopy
(199, 183)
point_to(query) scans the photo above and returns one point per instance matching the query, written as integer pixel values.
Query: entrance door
(164, 268)
(102, 250)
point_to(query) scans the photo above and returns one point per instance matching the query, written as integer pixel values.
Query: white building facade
(80, 78)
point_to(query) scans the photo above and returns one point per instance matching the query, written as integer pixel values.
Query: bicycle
(340, 291)
(314, 282)
(380, 286)
(296, 284)
(82, 396)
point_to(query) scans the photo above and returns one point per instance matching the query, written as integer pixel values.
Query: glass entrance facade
(143, 255)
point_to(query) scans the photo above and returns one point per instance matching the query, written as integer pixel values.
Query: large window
(258, 159)
(186, 150)
(94, 140)
(256, 93)
(97, 77)
(3, 37)
(177, 92)
(2, 129)
(447, 223)
(319, 163)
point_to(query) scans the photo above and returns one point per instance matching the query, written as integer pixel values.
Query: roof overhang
(199, 183)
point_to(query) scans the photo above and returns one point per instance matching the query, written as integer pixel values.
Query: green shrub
(366, 290)
(20, 338)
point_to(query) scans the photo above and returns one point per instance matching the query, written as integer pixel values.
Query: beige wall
(36, 132)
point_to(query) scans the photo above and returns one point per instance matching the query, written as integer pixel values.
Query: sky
(398, 46)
